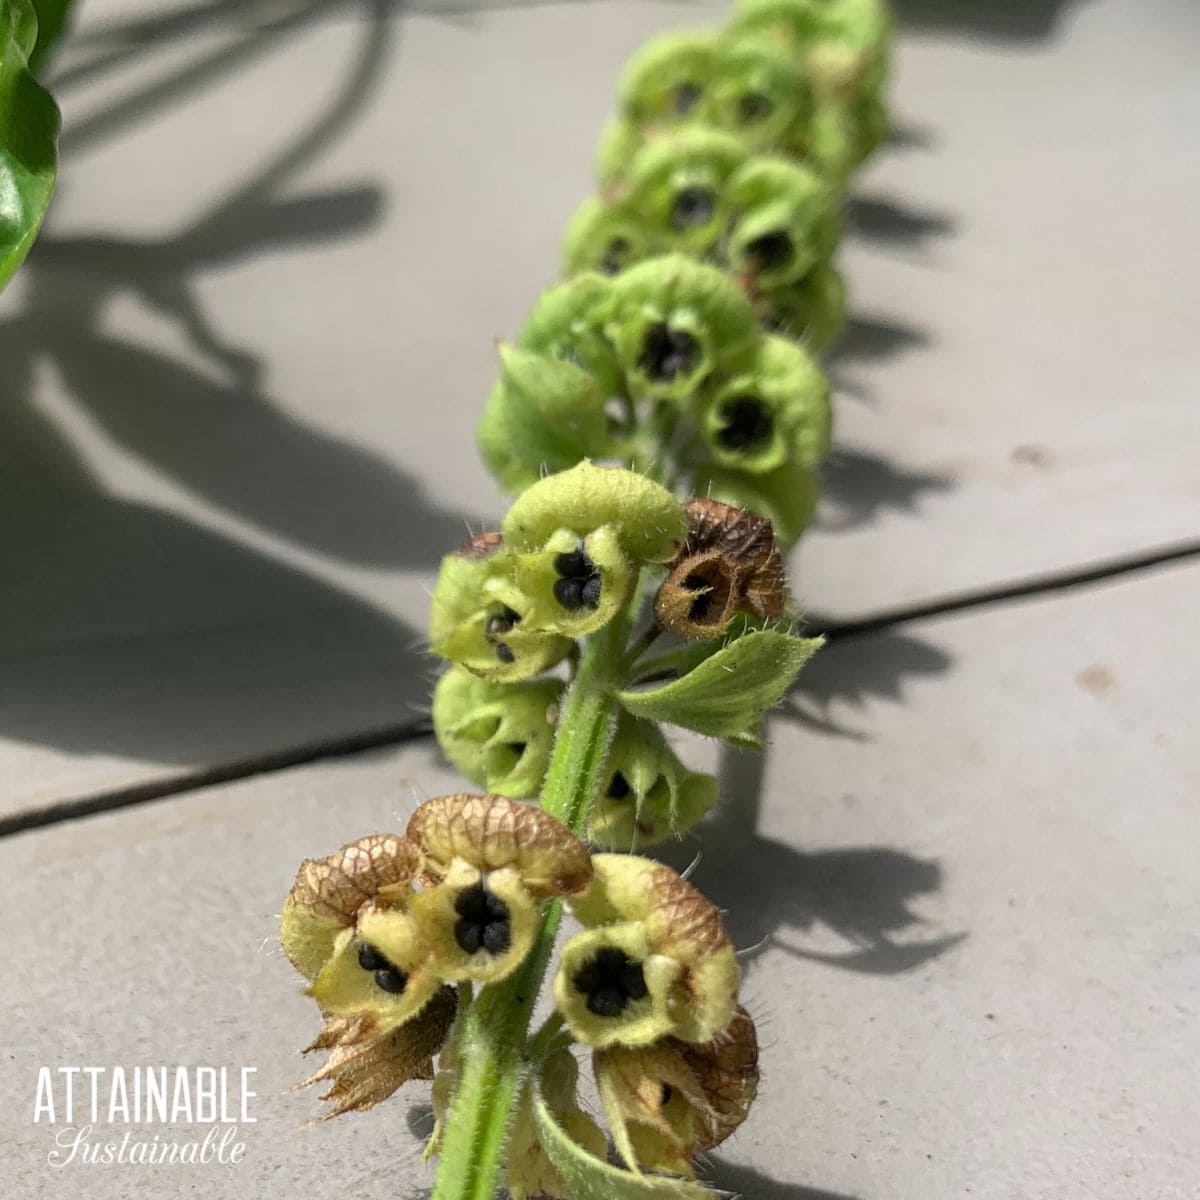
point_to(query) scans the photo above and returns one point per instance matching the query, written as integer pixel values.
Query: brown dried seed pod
(728, 564)
(337, 886)
(491, 832)
(481, 545)
(727, 1071)
(365, 1069)
(678, 913)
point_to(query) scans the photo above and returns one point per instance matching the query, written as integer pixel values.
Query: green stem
(497, 1026)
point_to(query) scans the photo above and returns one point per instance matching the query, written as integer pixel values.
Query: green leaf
(726, 694)
(590, 1178)
(51, 21)
(29, 123)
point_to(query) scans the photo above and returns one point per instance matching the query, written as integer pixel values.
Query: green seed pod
(477, 616)
(648, 520)
(649, 794)
(605, 237)
(567, 323)
(762, 95)
(666, 81)
(789, 24)
(620, 140)
(787, 222)
(787, 496)
(653, 960)
(500, 455)
(777, 413)
(553, 411)
(676, 184)
(674, 322)
(498, 735)
(575, 584)
(812, 311)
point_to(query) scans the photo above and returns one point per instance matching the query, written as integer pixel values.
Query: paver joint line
(394, 735)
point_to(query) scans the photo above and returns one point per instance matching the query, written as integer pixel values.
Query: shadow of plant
(130, 629)
(1024, 20)
(857, 485)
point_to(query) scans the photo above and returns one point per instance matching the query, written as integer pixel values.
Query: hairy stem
(496, 1029)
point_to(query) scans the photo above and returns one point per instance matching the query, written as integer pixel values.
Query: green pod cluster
(680, 361)
(771, 223)
(842, 48)
(649, 795)
(498, 735)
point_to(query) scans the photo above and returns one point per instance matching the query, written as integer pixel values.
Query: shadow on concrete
(773, 893)
(132, 630)
(858, 485)
(735, 1180)
(1003, 20)
(890, 222)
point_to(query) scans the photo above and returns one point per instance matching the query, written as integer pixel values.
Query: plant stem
(494, 1037)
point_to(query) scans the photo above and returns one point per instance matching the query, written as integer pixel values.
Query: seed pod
(728, 565)
(488, 862)
(672, 1100)
(498, 735)
(677, 186)
(674, 322)
(666, 81)
(529, 1171)
(776, 414)
(490, 832)
(606, 237)
(567, 322)
(379, 969)
(328, 893)
(364, 1068)
(649, 795)
(647, 518)
(653, 961)
(786, 222)
(762, 95)
(811, 311)
(478, 616)
(544, 414)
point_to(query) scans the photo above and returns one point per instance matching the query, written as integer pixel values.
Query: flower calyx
(729, 565)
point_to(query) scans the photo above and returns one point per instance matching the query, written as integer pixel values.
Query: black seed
(610, 981)
(687, 96)
(618, 787)
(569, 593)
(574, 564)
(497, 937)
(504, 654)
(669, 352)
(693, 207)
(370, 959)
(747, 422)
(615, 255)
(468, 935)
(665, 1095)
(484, 921)
(771, 250)
(501, 622)
(697, 583)
(590, 594)
(607, 1002)
(754, 107)
(391, 979)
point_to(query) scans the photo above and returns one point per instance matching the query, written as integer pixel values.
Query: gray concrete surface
(969, 899)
